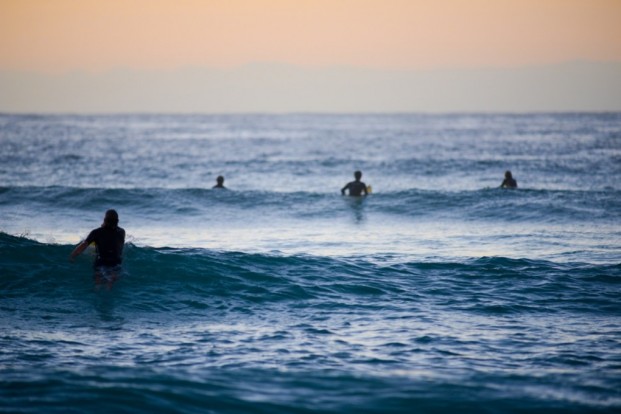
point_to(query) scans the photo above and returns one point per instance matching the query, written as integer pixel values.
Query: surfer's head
(508, 174)
(357, 175)
(111, 219)
(220, 180)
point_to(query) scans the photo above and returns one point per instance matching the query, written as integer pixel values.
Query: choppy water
(438, 293)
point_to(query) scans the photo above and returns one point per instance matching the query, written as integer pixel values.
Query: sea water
(438, 293)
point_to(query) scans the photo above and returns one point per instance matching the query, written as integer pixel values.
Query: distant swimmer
(509, 181)
(109, 241)
(356, 188)
(219, 182)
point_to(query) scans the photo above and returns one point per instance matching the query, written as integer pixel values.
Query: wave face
(438, 293)
(558, 225)
(232, 331)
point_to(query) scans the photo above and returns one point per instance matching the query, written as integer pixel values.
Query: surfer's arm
(79, 249)
(344, 188)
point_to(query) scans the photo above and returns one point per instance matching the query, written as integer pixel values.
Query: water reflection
(356, 204)
(106, 299)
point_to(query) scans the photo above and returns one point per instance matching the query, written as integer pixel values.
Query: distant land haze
(226, 56)
(276, 87)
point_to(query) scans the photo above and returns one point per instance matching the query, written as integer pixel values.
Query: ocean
(438, 293)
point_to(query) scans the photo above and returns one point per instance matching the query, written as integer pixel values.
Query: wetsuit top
(109, 244)
(356, 188)
(509, 183)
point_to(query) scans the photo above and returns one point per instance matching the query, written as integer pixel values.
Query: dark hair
(111, 219)
(220, 179)
(357, 174)
(508, 174)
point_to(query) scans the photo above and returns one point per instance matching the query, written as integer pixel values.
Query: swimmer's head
(111, 219)
(358, 175)
(220, 179)
(508, 174)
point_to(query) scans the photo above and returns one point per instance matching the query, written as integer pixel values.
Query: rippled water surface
(437, 293)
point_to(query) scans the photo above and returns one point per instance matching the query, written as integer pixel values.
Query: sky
(52, 43)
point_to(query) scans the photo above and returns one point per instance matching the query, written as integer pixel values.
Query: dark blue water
(438, 293)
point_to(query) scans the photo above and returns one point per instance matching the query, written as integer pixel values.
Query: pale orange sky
(95, 35)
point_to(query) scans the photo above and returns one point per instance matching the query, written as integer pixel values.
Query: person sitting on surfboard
(356, 188)
(509, 181)
(109, 240)
(219, 182)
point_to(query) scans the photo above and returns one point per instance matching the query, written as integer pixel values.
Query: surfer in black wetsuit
(356, 188)
(219, 182)
(109, 240)
(509, 181)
